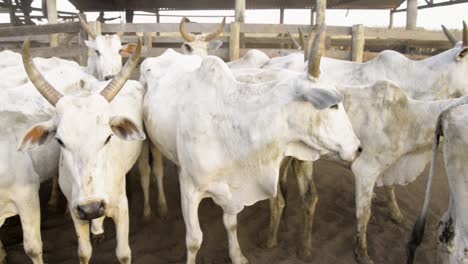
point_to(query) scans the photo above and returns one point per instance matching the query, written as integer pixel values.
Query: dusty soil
(162, 241)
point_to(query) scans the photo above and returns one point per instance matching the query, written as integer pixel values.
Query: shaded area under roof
(151, 5)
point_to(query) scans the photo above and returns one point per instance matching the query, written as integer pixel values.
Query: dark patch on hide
(447, 233)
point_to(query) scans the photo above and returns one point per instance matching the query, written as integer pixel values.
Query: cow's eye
(60, 142)
(98, 53)
(334, 106)
(108, 139)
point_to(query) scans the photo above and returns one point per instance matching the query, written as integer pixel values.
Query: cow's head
(320, 119)
(86, 129)
(457, 64)
(200, 44)
(108, 50)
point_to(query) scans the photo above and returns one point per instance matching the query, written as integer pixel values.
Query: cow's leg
(309, 195)
(230, 223)
(121, 221)
(190, 199)
(144, 169)
(97, 230)
(393, 207)
(29, 211)
(277, 205)
(54, 194)
(3, 254)
(158, 169)
(84, 244)
(365, 173)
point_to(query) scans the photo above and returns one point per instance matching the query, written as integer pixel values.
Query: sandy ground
(162, 241)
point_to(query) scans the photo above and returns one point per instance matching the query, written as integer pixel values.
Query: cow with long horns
(229, 137)
(440, 77)
(106, 61)
(200, 44)
(100, 137)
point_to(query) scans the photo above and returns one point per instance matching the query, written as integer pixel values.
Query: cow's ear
(462, 54)
(90, 44)
(126, 129)
(322, 98)
(128, 49)
(214, 45)
(187, 48)
(38, 135)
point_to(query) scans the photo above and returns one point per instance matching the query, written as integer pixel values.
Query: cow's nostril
(109, 77)
(359, 150)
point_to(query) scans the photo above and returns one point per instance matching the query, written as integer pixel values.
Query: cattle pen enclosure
(356, 43)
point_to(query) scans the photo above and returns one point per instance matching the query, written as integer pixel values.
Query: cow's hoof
(269, 243)
(97, 239)
(162, 211)
(305, 254)
(396, 217)
(365, 259)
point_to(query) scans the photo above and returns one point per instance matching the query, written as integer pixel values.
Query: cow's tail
(418, 229)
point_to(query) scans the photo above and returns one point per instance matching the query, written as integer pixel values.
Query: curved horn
(309, 43)
(86, 27)
(113, 88)
(41, 84)
(301, 37)
(296, 44)
(449, 35)
(215, 34)
(465, 34)
(187, 36)
(316, 52)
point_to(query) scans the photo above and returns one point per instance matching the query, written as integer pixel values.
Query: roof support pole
(281, 20)
(52, 19)
(240, 11)
(312, 15)
(358, 42)
(320, 8)
(411, 14)
(390, 23)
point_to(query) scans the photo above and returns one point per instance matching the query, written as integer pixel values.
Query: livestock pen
(161, 241)
(357, 43)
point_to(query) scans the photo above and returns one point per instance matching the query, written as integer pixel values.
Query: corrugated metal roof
(148, 5)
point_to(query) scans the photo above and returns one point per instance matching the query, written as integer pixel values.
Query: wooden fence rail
(346, 43)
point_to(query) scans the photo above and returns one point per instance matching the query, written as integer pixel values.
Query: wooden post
(320, 9)
(240, 11)
(411, 14)
(358, 42)
(281, 20)
(52, 19)
(234, 41)
(158, 19)
(390, 24)
(148, 41)
(82, 36)
(312, 12)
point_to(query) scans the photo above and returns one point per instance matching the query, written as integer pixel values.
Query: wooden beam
(320, 9)
(52, 19)
(390, 22)
(281, 20)
(358, 42)
(445, 3)
(39, 30)
(312, 15)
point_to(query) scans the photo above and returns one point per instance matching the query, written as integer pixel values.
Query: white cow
(229, 137)
(252, 59)
(438, 77)
(106, 61)
(21, 173)
(452, 240)
(200, 44)
(100, 139)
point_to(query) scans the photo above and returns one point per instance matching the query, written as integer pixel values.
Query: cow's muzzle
(91, 210)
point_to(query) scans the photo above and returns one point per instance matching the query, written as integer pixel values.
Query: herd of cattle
(229, 127)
